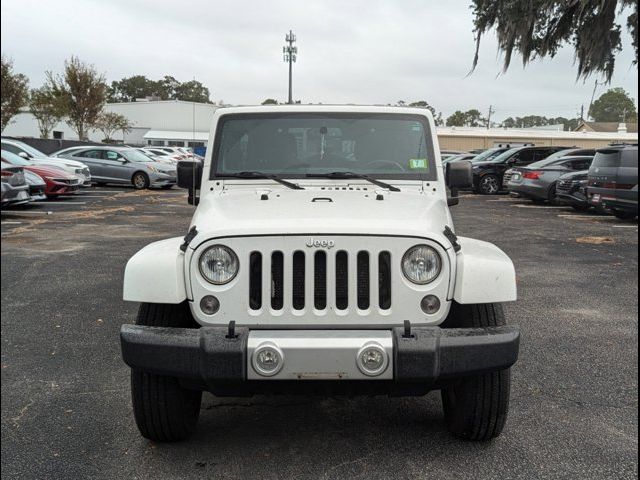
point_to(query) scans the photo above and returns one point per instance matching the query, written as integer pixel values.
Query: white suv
(321, 258)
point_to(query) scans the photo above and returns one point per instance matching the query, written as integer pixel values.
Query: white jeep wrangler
(321, 259)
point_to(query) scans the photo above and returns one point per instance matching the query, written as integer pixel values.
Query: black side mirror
(190, 177)
(458, 175)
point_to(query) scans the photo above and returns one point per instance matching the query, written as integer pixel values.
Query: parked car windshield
(136, 156)
(487, 155)
(294, 145)
(14, 159)
(34, 152)
(506, 155)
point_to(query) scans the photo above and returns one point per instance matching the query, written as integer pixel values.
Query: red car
(58, 182)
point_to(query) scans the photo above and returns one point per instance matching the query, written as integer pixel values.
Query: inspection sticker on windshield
(415, 163)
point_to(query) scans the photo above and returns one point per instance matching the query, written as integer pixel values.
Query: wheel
(489, 185)
(164, 410)
(622, 215)
(140, 180)
(475, 408)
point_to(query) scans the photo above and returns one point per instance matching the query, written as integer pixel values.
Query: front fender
(155, 274)
(484, 274)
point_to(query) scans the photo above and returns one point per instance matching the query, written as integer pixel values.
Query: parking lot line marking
(90, 196)
(538, 206)
(10, 223)
(22, 213)
(625, 226)
(569, 215)
(66, 203)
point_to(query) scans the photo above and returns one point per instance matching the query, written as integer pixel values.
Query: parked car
(551, 159)
(36, 157)
(57, 181)
(15, 190)
(613, 180)
(159, 153)
(125, 165)
(158, 158)
(488, 175)
(571, 190)
(538, 181)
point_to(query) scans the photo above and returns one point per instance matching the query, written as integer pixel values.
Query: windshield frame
(428, 177)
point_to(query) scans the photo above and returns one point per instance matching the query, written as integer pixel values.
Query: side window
(629, 158)
(525, 157)
(580, 165)
(111, 155)
(88, 154)
(11, 148)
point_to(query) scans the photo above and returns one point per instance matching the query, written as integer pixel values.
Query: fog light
(372, 359)
(430, 304)
(267, 359)
(209, 304)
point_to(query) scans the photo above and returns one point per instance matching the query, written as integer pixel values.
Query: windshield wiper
(275, 178)
(354, 175)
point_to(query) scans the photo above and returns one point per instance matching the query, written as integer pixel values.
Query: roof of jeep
(297, 108)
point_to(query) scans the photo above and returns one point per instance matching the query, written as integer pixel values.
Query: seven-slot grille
(320, 280)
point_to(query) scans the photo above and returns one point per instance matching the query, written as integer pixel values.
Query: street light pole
(290, 53)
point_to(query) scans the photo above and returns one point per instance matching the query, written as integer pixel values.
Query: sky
(349, 51)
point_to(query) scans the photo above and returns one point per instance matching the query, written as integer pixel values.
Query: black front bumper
(207, 358)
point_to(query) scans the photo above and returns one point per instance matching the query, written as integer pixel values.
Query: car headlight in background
(421, 264)
(218, 264)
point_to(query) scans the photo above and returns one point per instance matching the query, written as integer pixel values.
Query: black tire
(163, 409)
(476, 408)
(489, 185)
(140, 181)
(622, 215)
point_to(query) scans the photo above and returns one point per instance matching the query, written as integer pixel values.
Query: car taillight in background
(532, 175)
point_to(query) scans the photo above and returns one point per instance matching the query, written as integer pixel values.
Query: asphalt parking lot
(66, 410)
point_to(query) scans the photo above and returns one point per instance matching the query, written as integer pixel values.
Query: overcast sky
(356, 51)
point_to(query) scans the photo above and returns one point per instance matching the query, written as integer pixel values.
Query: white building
(162, 122)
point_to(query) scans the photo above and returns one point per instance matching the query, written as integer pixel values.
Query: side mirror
(190, 177)
(24, 155)
(458, 175)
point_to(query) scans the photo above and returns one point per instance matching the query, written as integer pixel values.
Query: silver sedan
(124, 165)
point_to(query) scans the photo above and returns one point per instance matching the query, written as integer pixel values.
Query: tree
(457, 119)
(539, 28)
(82, 92)
(14, 92)
(474, 118)
(191, 91)
(110, 122)
(614, 105)
(47, 108)
(131, 88)
(270, 101)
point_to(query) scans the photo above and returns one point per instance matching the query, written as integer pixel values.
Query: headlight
(218, 264)
(421, 264)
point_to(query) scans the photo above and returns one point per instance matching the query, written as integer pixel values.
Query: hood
(50, 171)
(321, 210)
(33, 178)
(58, 161)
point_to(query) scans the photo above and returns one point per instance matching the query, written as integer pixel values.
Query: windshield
(14, 159)
(30, 150)
(136, 156)
(487, 155)
(503, 157)
(298, 144)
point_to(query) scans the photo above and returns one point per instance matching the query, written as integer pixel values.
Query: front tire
(140, 181)
(489, 185)
(622, 215)
(475, 408)
(163, 409)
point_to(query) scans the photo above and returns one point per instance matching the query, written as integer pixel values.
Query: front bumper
(209, 358)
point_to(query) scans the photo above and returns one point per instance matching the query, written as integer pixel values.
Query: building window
(58, 135)
(175, 143)
(155, 143)
(195, 144)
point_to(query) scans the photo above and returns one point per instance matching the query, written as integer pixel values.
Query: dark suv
(613, 180)
(488, 176)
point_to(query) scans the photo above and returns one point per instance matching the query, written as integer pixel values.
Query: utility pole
(593, 94)
(582, 112)
(290, 53)
(491, 112)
